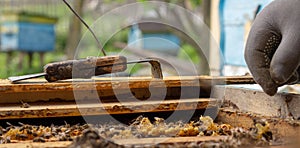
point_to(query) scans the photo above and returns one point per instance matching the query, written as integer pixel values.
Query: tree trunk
(206, 6)
(74, 34)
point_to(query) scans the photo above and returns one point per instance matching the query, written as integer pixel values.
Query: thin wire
(86, 25)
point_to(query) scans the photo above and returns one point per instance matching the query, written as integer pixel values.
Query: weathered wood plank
(125, 142)
(63, 109)
(37, 85)
(27, 144)
(167, 140)
(281, 105)
(133, 87)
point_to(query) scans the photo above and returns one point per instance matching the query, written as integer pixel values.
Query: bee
(47, 135)
(24, 104)
(39, 139)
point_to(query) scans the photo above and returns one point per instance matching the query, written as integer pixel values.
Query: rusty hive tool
(86, 68)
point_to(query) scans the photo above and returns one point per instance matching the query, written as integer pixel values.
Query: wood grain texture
(107, 89)
(125, 142)
(167, 140)
(64, 109)
(135, 82)
(245, 98)
(27, 144)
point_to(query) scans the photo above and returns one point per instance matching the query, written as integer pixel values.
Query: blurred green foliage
(188, 52)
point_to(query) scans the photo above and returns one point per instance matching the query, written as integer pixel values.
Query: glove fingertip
(268, 87)
(270, 91)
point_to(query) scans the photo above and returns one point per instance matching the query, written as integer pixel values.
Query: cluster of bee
(40, 133)
(258, 135)
(90, 138)
(205, 127)
(141, 127)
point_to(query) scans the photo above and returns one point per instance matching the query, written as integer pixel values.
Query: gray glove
(273, 46)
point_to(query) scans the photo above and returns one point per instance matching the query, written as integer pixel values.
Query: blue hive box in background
(27, 32)
(155, 37)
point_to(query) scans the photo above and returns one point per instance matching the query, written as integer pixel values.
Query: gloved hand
(273, 46)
